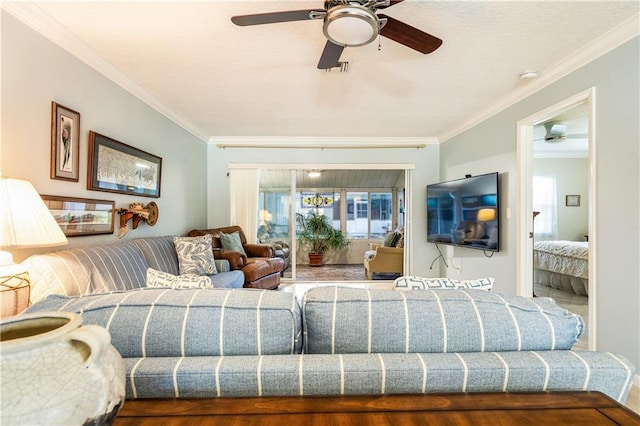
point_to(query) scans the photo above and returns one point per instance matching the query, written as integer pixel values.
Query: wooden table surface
(544, 408)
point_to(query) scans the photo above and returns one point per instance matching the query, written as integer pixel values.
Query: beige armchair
(384, 260)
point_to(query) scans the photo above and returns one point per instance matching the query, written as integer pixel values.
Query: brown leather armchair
(261, 267)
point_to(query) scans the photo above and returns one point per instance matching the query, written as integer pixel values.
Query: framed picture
(572, 200)
(118, 167)
(81, 216)
(65, 143)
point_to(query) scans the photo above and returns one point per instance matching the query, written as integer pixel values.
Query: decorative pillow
(369, 254)
(391, 239)
(420, 283)
(164, 279)
(195, 255)
(477, 284)
(400, 240)
(232, 242)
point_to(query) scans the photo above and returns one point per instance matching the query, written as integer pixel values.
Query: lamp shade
(25, 221)
(486, 215)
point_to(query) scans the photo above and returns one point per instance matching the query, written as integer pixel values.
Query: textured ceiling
(222, 80)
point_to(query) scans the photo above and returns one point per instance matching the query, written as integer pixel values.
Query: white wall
(426, 171)
(571, 179)
(491, 145)
(36, 72)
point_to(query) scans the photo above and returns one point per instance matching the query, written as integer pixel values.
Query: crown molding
(619, 35)
(319, 142)
(34, 17)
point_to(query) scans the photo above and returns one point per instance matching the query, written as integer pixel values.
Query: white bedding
(569, 258)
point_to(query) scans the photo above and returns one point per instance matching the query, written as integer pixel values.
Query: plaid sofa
(339, 340)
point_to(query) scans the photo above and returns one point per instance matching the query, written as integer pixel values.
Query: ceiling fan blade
(330, 56)
(577, 136)
(409, 36)
(391, 3)
(273, 17)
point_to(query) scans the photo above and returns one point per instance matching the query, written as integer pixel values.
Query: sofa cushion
(421, 283)
(352, 320)
(195, 255)
(154, 322)
(164, 279)
(378, 374)
(160, 253)
(85, 270)
(232, 242)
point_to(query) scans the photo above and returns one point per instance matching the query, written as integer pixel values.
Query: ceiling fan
(350, 23)
(556, 133)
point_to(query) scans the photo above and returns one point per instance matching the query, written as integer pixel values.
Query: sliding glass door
(365, 204)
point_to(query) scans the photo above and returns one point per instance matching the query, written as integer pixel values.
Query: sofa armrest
(236, 259)
(222, 265)
(259, 250)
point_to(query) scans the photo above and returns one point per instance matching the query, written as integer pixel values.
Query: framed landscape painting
(65, 143)
(118, 167)
(81, 216)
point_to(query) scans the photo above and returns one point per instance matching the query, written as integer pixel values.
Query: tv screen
(465, 212)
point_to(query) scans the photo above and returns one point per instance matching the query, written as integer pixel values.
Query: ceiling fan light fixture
(351, 25)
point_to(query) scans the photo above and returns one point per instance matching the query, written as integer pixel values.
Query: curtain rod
(321, 147)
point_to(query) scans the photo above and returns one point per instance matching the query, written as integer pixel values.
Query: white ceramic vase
(56, 371)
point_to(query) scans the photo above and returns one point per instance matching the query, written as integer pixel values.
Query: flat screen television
(465, 212)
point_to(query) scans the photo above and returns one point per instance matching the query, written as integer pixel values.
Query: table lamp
(25, 221)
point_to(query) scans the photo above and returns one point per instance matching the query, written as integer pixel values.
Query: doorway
(282, 194)
(526, 139)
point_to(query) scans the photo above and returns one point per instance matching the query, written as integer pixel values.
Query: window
(545, 201)
(381, 214)
(273, 216)
(357, 215)
(332, 209)
(369, 214)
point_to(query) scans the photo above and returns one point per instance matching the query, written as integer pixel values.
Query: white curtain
(243, 191)
(545, 201)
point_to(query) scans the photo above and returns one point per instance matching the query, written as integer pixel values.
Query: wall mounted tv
(465, 212)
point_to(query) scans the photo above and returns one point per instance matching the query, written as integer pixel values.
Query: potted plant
(316, 232)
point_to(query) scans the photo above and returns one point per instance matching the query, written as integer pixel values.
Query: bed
(563, 265)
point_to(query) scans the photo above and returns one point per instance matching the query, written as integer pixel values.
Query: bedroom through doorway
(556, 167)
